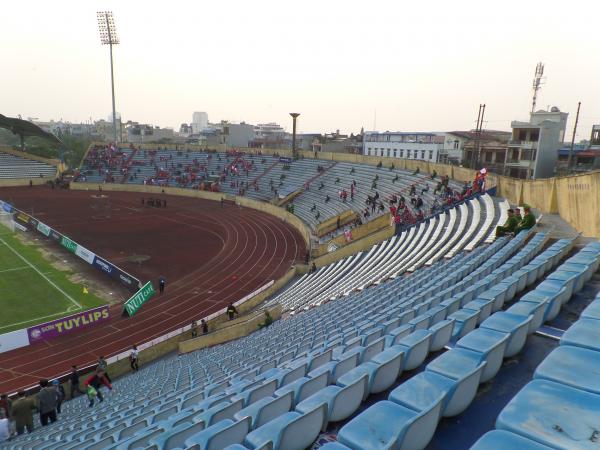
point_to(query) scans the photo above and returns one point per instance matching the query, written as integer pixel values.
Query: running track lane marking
(13, 269)
(42, 275)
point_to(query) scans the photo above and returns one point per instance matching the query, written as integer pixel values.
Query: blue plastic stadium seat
(290, 431)
(255, 393)
(387, 425)
(484, 306)
(394, 336)
(592, 311)
(224, 410)
(465, 322)
(265, 409)
(465, 367)
(583, 333)
(341, 402)
(336, 369)
(416, 347)
(505, 440)
(175, 437)
(334, 446)
(572, 366)
(303, 387)
(442, 333)
(220, 435)
(535, 310)
(382, 371)
(516, 326)
(553, 414)
(491, 345)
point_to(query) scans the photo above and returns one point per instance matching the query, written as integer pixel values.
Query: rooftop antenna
(538, 80)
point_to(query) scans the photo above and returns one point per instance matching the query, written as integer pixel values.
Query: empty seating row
(558, 409)
(449, 383)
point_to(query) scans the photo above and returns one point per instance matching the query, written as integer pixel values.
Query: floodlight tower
(108, 36)
(538, 80)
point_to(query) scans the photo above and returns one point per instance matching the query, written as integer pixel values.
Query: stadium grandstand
(422, 325)
(15, 165)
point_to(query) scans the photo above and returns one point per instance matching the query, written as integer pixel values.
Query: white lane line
(75, 302)
(13, 269)
(40, 319)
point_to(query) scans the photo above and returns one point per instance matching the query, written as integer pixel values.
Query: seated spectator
(509, 226)
(527, 222)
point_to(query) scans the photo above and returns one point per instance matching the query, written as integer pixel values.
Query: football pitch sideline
(32, 291)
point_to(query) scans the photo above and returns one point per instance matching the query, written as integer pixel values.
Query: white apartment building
(199, 121)
(420, 146)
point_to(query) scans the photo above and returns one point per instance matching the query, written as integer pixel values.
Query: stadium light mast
(108, 36)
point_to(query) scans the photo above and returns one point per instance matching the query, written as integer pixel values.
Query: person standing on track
(161, 284)
(133, 358)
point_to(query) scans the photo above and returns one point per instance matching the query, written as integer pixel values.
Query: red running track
(210, 255)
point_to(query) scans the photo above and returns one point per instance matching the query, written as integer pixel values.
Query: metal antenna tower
(538, 80)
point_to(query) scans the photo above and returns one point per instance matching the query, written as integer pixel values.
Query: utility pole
(479, 136)
(570, 161)
(108, 36)
(474, 156)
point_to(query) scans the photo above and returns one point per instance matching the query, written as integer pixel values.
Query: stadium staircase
(127, 164)
(263, 174)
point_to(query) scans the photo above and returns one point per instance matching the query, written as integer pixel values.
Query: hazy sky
(421, 65)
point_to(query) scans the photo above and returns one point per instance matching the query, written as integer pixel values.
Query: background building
(423, 146)
(458, 144)
(199, 121)
(533, 148)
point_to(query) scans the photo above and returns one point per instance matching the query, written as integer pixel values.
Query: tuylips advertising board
(67, 325)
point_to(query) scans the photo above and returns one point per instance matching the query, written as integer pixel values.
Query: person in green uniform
(509, 226)
(518, 214)
(527, 222)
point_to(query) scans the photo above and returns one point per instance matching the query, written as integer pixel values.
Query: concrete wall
(233, 330)
(330, 224)
(355, 247)
(364, 230)
(25, 181)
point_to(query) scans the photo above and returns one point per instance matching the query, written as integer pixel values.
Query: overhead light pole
(294, 117)
(108, 36)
